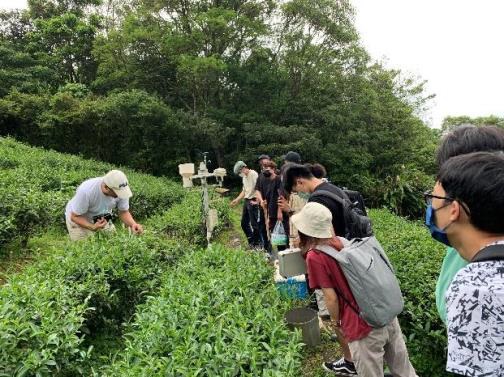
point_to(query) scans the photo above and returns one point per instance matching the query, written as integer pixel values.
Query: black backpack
(357, 224)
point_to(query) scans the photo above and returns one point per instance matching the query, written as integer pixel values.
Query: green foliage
(417, 259)
(35, 186)
(50, 309)
(183, 220)
(401, 192)
(163, 80)
(218, 313)
(450, 123)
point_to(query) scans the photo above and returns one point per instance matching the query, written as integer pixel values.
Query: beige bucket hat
(314, 220)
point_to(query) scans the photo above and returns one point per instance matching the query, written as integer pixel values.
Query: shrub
(49, 308)
(417, 259)
(219, 314)
(35, 186)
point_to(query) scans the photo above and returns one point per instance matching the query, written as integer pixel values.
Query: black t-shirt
(336, 208)
(269, 189)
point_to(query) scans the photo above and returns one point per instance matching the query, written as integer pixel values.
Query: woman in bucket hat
(368, 346)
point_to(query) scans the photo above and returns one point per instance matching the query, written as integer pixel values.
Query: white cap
(117, 181)
(314, 220)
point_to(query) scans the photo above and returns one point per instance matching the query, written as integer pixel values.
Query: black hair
(293, 172)
(477, 180)
(467, 139)
(318, 171)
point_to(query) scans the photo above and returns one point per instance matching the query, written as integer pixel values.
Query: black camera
(107, 216)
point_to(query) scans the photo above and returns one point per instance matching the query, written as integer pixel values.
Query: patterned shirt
(475, 316)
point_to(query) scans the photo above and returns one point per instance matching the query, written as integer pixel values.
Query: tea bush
(185, 219)
(84, 288)
(36, 184)
(49, 308)
(417, 259)
(217, 314)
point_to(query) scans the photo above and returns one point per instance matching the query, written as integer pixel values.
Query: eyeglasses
(428, 196)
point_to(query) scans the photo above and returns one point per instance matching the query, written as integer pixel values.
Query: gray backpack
(371, 278)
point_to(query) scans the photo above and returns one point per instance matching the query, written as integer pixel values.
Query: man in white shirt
(466, 211)
(91, 208)
(251, 215)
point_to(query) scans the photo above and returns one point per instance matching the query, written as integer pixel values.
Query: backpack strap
(332, 252)
(489, 253)
(331, 195)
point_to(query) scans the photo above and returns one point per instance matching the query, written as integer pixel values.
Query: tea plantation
(163, 304)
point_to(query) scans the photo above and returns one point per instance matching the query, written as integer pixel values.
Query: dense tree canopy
(151, 83)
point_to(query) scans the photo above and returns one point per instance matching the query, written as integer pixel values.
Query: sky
(456, 45)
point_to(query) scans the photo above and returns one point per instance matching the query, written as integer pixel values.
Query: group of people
(266, 201)
(464, 211)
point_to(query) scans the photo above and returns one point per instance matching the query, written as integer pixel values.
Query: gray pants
(384, 343)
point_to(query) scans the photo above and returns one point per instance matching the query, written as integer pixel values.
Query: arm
(259, 196)
(332, 304)
(84, 223)
(331, 300)
(238, 198)
(127, 219)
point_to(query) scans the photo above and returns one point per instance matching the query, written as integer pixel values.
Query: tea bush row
(50, 308)
(217, 314)
(36, 184)
(185, 219)
(417, 259)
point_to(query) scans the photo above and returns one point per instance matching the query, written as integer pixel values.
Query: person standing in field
(369, 346)
(90, 210)
(465, 211)
(463, 139)
(300, 179)
(291, 203)
(268, 190)
(251, 215)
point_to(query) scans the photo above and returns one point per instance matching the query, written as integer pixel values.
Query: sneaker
(341, 367)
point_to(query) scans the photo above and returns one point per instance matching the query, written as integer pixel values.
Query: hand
(137, 228)
(264, 204)
(233, 202)
(100, 224)
(283, 204)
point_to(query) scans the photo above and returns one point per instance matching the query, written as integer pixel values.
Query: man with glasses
(90, 210)
(463, 139)
(466, 211)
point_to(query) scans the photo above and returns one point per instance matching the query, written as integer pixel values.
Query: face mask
(436, 233)
(267, 173)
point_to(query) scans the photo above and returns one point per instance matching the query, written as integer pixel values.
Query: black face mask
(267, 173)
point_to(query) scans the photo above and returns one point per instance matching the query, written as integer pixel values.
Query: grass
(233, 236)
(328, 350)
